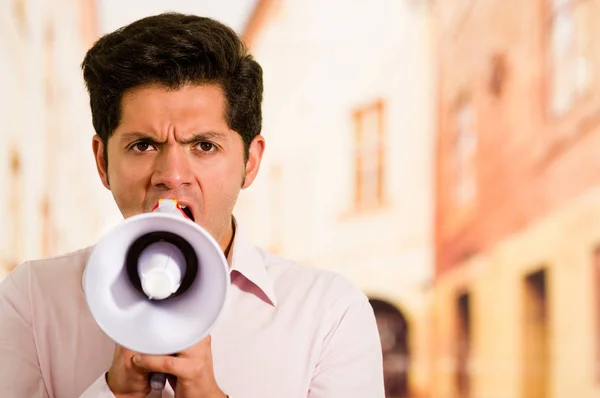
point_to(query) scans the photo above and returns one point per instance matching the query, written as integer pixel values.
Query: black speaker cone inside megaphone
(143, 242)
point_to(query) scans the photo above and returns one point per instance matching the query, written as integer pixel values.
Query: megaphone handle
(158, 381)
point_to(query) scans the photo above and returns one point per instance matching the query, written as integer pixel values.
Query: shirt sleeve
(351, 364)
(20, 374)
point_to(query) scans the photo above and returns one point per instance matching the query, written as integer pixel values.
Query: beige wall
(322, 61)
(46, 123)
(563, 244)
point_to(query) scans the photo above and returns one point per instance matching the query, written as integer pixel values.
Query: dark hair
(173, 50)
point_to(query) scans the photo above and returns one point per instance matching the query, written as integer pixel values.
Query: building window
(15, 208)
(463, 341)
(369, 157)
(498, 74)
(47, 230)
(20, 13)
(570, 51)
(49, 64)
(464, 154)
(596, 310)
(536, 336)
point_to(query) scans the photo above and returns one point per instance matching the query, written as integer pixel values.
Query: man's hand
(125, 379)
(191, 371)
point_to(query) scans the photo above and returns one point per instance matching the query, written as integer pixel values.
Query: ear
(255, 153)
(99, 150)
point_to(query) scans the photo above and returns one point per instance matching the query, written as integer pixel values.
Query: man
(176, 105)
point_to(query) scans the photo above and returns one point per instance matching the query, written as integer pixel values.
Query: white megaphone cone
(157, 283)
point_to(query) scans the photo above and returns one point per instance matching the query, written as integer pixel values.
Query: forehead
(153, 104)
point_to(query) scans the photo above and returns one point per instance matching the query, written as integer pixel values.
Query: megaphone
(157, 283)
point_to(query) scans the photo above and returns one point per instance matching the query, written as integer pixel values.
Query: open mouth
(188, 212)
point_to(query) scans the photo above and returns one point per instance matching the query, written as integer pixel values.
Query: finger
(183, 368)
(172, 381)
(124, 354)
(203, 348)
(159, 363)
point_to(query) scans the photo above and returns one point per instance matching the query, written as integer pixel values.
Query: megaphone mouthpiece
(161, 267)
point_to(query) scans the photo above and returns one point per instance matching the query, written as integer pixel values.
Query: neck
(227, 240)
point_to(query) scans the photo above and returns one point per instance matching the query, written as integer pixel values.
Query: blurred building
(49, 202)
(517, 302)
(347, 179)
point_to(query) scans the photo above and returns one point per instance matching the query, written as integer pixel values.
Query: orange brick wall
(528, 163)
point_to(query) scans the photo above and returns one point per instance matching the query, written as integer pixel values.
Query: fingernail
(136, 358)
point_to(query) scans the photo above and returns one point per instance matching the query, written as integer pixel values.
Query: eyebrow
(204, 136)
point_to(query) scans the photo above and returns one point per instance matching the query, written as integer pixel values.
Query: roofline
(256, 21)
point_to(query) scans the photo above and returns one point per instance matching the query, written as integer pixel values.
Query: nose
(172, 168)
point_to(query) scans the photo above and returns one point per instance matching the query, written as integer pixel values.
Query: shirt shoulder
(297, 282)
(52, 274)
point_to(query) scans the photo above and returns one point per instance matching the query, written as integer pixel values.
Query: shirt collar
(247, 260)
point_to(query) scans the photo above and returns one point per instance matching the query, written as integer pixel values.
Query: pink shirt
(288, 331)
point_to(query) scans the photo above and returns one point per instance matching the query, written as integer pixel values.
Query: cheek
(220, 186)
(223, 175)
(222, 189)
(128, 183)
(130, 171)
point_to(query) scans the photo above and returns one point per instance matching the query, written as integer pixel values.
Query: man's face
(176, 144)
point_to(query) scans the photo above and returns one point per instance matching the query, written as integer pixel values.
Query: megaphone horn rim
(105, 262)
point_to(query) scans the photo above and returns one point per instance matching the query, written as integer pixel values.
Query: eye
(206, 146)
(142, 146)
